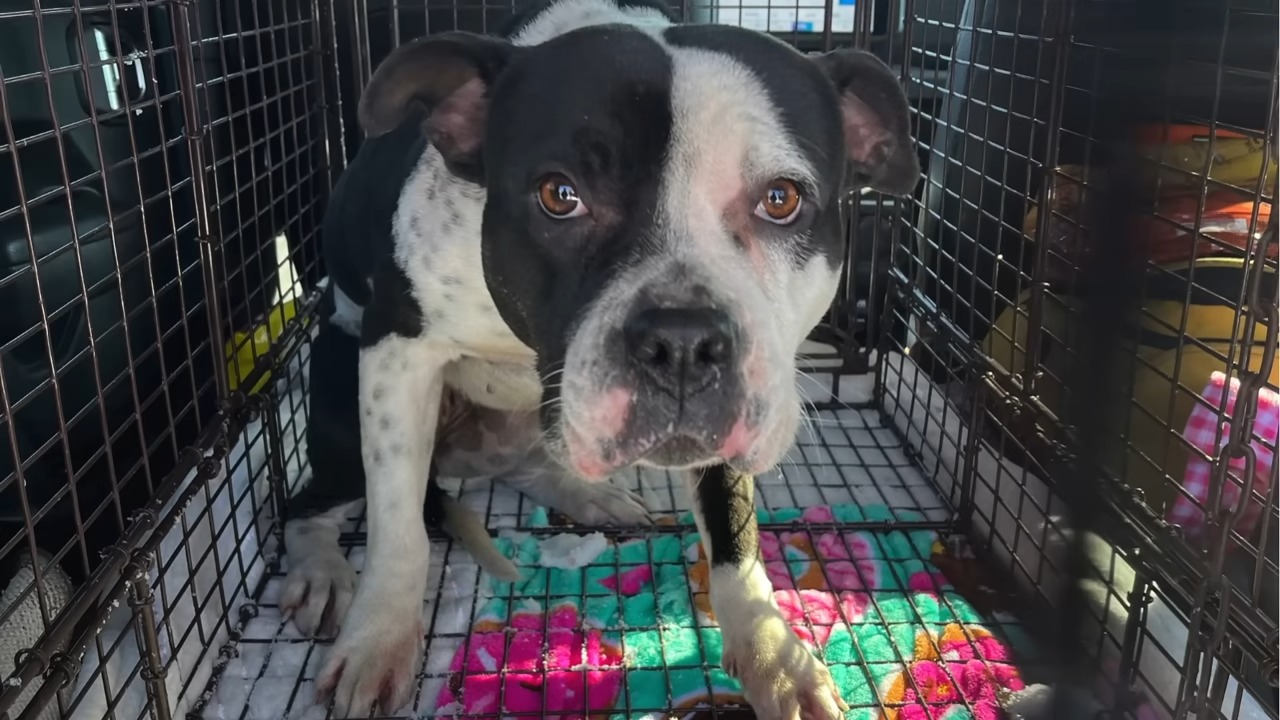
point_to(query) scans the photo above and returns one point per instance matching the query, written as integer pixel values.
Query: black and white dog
(595, 242)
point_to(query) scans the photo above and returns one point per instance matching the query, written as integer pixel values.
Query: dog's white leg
(379, 648)
(318, 589)
(590, 503)
(780, 677)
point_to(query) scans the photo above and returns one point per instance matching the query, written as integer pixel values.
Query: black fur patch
(357, 223)
(726, 501)
(393, 310)
(607, 127)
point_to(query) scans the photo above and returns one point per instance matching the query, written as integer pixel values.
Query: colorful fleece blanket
(623, 628)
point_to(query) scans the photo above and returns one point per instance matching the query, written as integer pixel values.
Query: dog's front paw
(318, 592)
(780, 677)
(375, 659)
(607, 504)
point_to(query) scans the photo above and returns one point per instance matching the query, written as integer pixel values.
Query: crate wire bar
(171, 163)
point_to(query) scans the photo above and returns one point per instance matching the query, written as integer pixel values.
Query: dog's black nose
(682, 350)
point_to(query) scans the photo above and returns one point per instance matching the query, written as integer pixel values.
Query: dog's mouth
(669, 446)
(679, 451)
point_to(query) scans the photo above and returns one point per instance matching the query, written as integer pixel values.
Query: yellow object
(1237, 161)
(1154, 393)
(244, 349)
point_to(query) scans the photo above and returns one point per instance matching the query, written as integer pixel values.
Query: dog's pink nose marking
(738, 441)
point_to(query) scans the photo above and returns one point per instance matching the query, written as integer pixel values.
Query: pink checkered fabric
(1202, 431)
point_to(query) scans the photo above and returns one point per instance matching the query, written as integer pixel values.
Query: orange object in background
(1226, 220)
(1181, 155)
(1176, 134)
(1163, 226)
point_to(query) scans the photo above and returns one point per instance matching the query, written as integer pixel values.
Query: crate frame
(1224, 641)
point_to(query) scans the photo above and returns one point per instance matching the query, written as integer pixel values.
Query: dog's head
(663, 223)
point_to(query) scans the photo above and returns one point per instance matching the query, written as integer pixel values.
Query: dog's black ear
(877, 128)
(447, 77)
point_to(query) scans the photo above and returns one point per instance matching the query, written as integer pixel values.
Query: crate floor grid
(629, 634)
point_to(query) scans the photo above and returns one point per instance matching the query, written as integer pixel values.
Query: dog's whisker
(805, 418)
(833, 400)
(806, 423)
(549, 402)
(544, 379)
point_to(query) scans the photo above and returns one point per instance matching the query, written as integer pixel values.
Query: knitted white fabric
(23, 627)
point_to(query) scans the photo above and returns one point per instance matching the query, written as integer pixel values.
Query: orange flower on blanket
(963, 666)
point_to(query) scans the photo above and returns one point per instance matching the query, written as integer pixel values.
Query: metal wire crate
(171, 163)
(1034, 237)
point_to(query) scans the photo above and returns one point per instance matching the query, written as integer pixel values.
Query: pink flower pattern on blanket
(833, 561)
(946, 683)
(564, 670)
(959, 666)
(813, 614)
(830, 568)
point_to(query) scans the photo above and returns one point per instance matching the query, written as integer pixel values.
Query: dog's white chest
(497, 385)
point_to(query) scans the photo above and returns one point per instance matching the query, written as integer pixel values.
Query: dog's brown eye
(559, 198)
(781, 202)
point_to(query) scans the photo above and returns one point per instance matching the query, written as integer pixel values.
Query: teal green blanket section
(632, 633)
